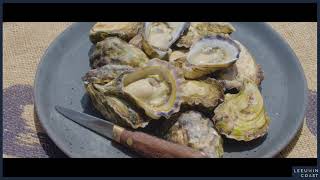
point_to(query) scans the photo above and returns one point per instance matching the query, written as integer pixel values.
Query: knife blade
(142, 143)
(100, 126)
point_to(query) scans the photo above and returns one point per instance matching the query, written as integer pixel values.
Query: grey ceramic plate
(58, 82)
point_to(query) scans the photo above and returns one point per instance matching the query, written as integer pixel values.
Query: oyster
(242, 116)
(106, 73)
(210, 54)
(137, 41)
(159, 36)
(194, 130)
(207, 93)
(198, 30)
(245, 68)
(178, 54)
(113, 50)
(154, 88)
(116, 109)
(123, 30)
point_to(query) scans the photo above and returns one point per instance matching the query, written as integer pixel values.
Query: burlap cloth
(25, 43)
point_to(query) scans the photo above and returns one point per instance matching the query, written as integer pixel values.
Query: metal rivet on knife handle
(117, 131)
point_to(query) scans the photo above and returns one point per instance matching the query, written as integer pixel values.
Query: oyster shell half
(155, 88)
(245, 68)
(113, 50)
(242, 116)
(194, 130)
(159, 36)
(106, 73)
(210, 54)
(123, 30)
(198, 30)
(207, 93)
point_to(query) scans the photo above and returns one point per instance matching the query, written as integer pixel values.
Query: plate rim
(274, 152)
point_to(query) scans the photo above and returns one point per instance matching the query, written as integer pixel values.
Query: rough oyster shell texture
(113, 50)
(245, 68)
(169, 77)
(194, 130)
(242, 116)
(198, 30)
(207, 93)
(123, 30)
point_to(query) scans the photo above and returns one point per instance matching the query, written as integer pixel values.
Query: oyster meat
(198, 30)
(245, 68)
(111, 107)
(242, 116)
(210, 54)
(207, 93)
(123, 30)
(113, 50)
(194, 130)
(159, 36)
(154, 88)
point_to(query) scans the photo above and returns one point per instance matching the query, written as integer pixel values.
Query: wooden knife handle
(153, 147)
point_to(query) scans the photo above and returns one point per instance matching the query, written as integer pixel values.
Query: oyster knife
(142, 143)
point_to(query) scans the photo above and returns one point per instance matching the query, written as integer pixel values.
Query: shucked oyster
(123, 30)
(245, 68)
(111, 107)
(198, 30)
(207, 93)
(194, 130)
(154, 88)
(113, 50)
(159, 36)
(209, 54)
(242, 116)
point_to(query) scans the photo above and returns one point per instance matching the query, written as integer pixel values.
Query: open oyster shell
(207, 93)
(159, 36)
(123, 30)
(113, 50)
(242, 116)
(197, 30)
(245, 68)
(154, 88)
(194, 130)
(208, 55)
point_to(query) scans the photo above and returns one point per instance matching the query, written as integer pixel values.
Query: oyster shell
(198, 30)
(207, 93)
(123, 30)
(245, 68)
(106, 73)
(210, 54)
(137, 41)
(116, 109)
(194, 130)
(159, 36)
(155, 88)
(242, 116)
(113, 50)
(178, 54)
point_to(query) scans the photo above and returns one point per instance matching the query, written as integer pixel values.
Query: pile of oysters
(186, 82)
